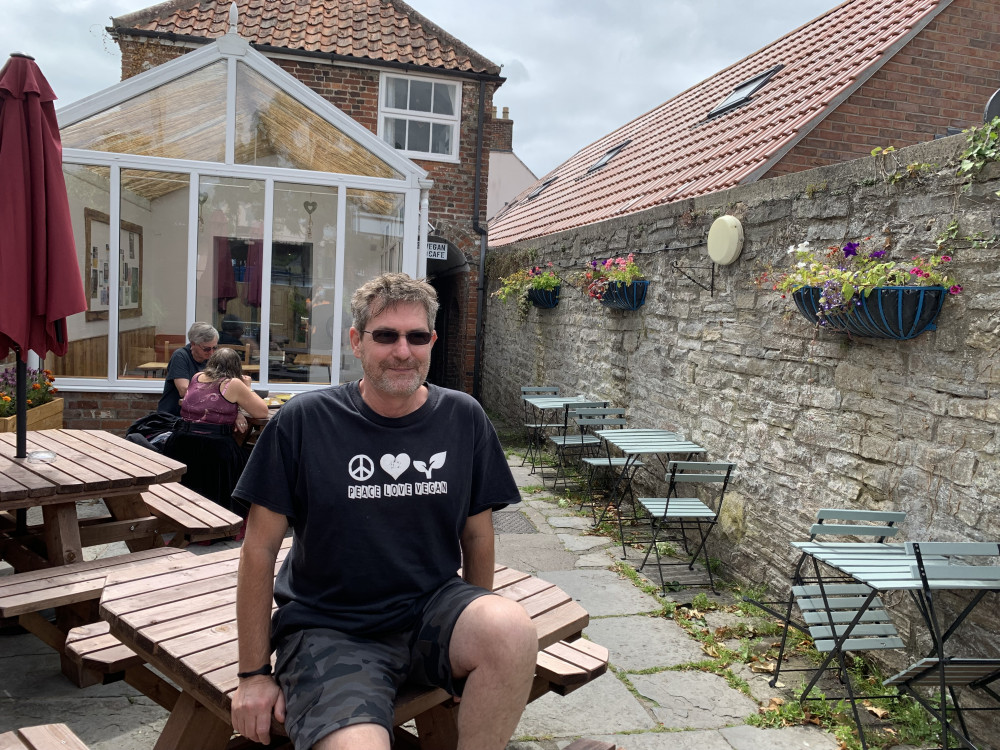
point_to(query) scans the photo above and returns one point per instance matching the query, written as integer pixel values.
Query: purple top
(204, 403)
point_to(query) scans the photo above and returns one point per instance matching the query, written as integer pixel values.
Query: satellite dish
(992, 107)
(725, 240)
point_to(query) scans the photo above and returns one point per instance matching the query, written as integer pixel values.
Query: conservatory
(241, 198)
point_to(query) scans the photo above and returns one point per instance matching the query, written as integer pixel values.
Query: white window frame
(455, 121)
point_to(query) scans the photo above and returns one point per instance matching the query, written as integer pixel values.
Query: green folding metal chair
(683, 514)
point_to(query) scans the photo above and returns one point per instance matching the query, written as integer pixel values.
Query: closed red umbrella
(40, 283)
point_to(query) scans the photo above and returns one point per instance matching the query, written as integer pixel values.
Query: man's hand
(255, 700)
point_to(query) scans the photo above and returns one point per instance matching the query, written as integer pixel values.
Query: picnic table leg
(437, 727)
(62, 534)
(191, 726)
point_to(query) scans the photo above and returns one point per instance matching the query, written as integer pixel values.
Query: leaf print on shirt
(436, 462)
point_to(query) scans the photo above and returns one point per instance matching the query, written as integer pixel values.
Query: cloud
(576, 69)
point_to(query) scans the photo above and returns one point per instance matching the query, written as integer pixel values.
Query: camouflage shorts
(332, 680)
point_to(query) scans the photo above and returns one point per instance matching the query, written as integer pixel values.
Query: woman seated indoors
(210, 414)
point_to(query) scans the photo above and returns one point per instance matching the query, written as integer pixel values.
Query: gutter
(481, 231)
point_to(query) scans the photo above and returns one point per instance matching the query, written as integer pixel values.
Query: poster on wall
(98, 238)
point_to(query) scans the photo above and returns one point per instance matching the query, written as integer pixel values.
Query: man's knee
(494, 628)
(355, 737)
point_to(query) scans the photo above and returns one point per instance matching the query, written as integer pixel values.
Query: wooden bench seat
(44, 737)
(194, 517)
(561, 668)
(36, 590)
(76, 590)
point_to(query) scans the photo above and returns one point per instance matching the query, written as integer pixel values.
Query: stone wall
(812, 419)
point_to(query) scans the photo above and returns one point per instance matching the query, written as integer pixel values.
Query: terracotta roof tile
(675, 153)
(368, 29)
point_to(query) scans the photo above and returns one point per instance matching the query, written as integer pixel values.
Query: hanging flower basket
(889, 312)
(624, 296)
(544, 298)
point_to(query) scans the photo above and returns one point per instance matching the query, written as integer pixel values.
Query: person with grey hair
(185, 363)
(389, 485)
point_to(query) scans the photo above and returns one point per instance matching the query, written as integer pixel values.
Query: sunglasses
(389, 336)
(207, 348)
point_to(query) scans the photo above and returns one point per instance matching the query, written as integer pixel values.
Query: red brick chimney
(503, 131)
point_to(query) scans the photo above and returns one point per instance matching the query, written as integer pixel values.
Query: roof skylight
(538, 190)
(611, 154)
(742, 93)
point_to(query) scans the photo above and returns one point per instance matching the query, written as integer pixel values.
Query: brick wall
(106, 411)
(355, 92)
(940, 79)
(812, 419)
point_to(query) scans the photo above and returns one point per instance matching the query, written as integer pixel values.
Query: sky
(576, 69)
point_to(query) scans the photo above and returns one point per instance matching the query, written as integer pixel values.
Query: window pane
(395, 132)
(420, 96)
(441, 143)
(89, 194)
(152, 124)
(303, 276)
(274, 130)
(395, 93)
(373, 245)
(231, 254)
(152, 269)
(444, 99)
(420, 136)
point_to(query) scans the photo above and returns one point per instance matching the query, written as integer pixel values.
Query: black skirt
(214, 459)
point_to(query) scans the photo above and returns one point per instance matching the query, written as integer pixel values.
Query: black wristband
(266, 669)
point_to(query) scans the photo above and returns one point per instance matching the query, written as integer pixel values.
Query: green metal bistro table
(634, 444)
(540, 405)
(903, 567)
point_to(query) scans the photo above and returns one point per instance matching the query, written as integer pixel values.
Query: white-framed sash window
(420, 116)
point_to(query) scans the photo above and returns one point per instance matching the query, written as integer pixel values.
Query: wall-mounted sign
(437, 251)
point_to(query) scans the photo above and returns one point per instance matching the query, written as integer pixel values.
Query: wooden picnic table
(88, 464)
(182, 621)
(144, 504)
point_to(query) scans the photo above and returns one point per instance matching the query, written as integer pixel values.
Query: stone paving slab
(636, 642)
(787, 738)
(603, 592)
(693, 700)
(577, 543)
(604, 706)
(706, 739)
(571, 522)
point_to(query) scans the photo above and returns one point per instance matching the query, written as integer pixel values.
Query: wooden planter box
(45, 417)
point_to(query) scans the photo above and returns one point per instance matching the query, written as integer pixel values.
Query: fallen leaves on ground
(881, 713)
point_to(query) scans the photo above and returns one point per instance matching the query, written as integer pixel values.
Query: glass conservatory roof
(182, 119)
(180, 110)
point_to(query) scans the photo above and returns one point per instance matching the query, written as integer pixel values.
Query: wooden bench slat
(43, 737)
(36, 590)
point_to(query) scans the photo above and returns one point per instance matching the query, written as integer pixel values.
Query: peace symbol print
(361, 468)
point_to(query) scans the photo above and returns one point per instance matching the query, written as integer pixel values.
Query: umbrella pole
(21, 416)
(21, 394)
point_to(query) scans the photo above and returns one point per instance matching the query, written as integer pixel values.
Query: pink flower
(945, 258)
(957, 289)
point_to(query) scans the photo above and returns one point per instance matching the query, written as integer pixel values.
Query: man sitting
(185, 363)
(389, 484)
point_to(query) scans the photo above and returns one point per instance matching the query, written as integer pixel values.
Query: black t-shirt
(376, 505)
(181, 366)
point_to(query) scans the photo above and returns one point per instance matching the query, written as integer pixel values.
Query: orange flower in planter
(39, 383)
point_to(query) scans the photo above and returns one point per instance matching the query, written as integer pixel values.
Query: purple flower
(957, 289)
(851, 249)
(877, 254)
